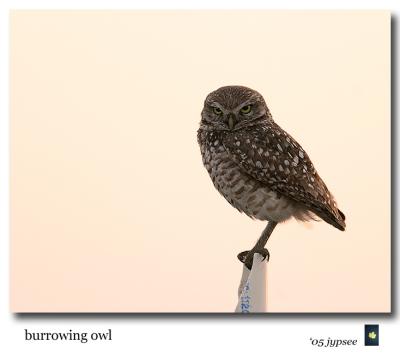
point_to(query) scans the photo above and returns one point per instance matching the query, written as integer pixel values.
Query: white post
(252, 288)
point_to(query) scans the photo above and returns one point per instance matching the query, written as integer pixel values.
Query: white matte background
(176, 335)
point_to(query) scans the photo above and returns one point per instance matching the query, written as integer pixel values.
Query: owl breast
(240, 189)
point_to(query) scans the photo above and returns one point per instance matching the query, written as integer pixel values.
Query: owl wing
(273, 157)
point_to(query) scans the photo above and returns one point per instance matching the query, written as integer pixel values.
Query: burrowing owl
(258, 167)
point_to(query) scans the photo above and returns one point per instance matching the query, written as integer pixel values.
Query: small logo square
(371, 334)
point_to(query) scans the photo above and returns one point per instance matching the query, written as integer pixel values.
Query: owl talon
(246, 257)
(242, 256)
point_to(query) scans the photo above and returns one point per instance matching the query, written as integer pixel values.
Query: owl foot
(246, 257)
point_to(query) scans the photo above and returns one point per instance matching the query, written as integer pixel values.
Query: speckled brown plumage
(258, 167)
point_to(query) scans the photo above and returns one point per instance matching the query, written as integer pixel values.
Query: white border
(179, 334)
(198, 4)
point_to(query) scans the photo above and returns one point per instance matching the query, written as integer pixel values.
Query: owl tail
(330, 218)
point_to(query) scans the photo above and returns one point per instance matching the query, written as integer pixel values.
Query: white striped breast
(243, 191)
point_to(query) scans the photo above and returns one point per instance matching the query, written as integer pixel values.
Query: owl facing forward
(258, 167)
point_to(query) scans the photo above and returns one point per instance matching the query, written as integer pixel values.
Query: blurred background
(111, 208)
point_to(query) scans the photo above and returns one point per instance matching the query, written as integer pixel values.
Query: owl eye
(246, 109)
(217, 110)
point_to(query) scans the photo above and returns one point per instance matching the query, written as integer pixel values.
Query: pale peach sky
(111, 208)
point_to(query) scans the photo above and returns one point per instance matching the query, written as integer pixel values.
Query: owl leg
(246, 257)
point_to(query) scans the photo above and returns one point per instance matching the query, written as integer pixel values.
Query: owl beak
(231, 121)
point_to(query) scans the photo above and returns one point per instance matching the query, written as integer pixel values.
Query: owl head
(233, 108)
